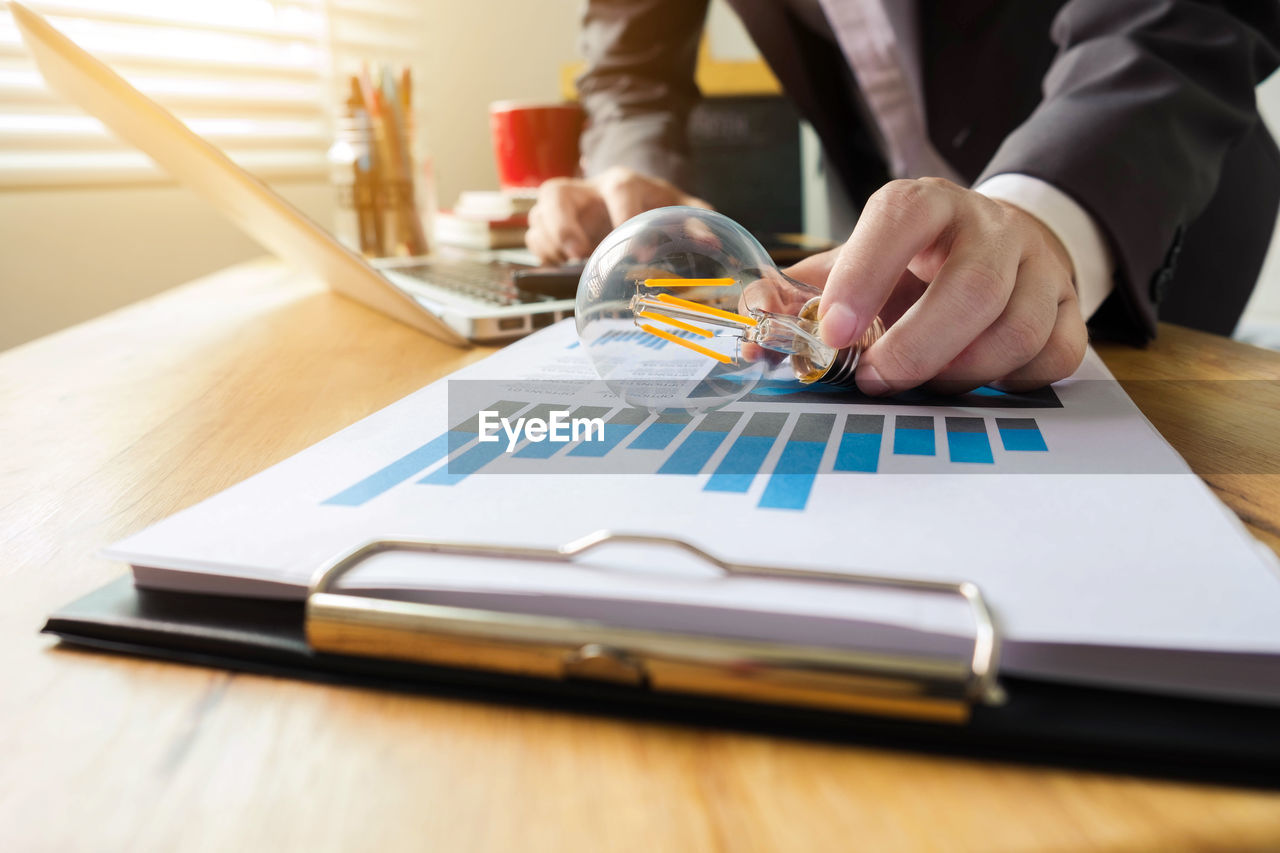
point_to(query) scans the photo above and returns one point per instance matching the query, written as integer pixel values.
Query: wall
(72, 254)
(68, 255)
(518, 57)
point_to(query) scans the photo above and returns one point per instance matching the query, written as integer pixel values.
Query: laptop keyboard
(488, 283)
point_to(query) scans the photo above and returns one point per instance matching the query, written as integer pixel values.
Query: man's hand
(973, 290)
(573, 215)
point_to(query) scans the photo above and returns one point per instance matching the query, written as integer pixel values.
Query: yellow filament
(679, 324)
(688, 282)
(705, 309)
(687, 344)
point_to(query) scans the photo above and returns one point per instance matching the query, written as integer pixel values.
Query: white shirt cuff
(1076, 229)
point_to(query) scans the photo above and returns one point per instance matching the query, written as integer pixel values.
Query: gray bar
(966, 425)
(813, 426)
(588, 412)
(913, 422)
(865, 424)
(542, 411)
(1016, 423)
(767, 424)
(504, 408)
(674, 418)
(718, 422)
(629, 417)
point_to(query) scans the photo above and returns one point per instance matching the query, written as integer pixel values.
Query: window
(255, 77)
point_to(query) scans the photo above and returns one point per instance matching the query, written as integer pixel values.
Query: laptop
(455, 299)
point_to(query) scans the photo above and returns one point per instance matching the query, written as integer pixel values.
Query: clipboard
(899, 685)
(911, 701)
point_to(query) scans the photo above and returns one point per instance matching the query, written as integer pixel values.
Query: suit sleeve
(1140, 107)
(638, 86)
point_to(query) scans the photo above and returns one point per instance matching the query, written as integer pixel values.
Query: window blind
(256, 78)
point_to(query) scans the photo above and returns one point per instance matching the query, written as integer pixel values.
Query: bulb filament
(793, 335)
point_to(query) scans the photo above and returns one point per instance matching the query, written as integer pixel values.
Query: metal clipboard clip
(841, 679)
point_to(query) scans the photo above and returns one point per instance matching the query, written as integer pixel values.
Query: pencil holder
(384, 184)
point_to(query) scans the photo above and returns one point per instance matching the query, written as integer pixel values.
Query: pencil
(409, 225)
(364, 188)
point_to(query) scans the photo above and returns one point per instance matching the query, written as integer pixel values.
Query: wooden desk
(115, 424)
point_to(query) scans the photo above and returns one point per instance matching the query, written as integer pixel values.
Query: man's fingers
(899, 221)
(538, 238)
(572, 239)
(1061, 354)
(694, 201)
(905, 294)
(567, 221)
(814, 269)
(970, 292)
(1018, 334)
(541, 245)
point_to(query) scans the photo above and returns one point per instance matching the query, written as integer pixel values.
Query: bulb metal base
(840, 372)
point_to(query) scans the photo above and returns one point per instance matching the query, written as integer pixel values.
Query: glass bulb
(681, 308)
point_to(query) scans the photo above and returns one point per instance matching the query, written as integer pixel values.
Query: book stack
(485, 219)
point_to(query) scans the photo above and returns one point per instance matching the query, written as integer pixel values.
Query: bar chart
(734, 450)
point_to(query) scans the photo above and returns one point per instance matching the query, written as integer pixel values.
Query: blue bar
(572, 345)
(911, 437)
(1021, 434)
(658, 435)
(748, 452)
(1023, 439)
(858, 453)
(416, 460)
(967, 440)
(613, 435)
(969, 447)
(392, 475)
(793, 477)
(456, 470)
(692, 454)
(547, 448)
(619, 427)
(740, 465)
(701, 444)
(859, 448)
(544, 449)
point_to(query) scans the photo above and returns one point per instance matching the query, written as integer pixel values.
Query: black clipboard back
(1039, 723)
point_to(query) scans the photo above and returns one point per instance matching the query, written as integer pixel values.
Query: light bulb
(681, 308)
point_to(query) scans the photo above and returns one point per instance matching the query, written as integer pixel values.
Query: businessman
(1022, 166)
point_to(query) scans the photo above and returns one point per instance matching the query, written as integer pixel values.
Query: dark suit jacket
(1143, 111)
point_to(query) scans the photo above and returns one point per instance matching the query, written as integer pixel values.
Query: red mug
(533, 142)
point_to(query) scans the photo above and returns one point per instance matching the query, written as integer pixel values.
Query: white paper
(1104, 542)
